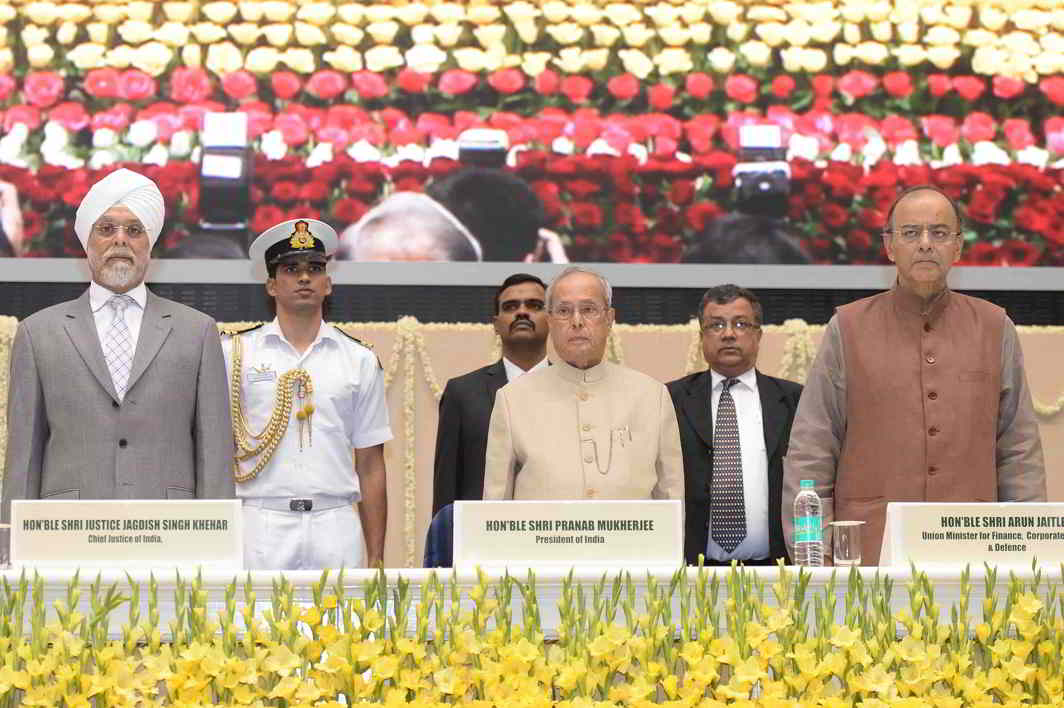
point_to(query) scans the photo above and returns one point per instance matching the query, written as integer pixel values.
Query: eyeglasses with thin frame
(107, 229)
(718, 327)
(937, 234)
(587, 310)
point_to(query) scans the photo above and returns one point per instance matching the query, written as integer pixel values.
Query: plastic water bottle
(808, 527)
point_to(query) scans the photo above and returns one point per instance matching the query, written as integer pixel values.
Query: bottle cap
(807, 484)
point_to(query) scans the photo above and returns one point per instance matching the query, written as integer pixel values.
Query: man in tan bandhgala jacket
(918, 393)
(583, 428)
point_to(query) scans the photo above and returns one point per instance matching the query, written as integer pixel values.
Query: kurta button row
(933, 469)
(587, 426)
(933, 431)
(582, 395)
(589, 459)
(930, 358)
(927, 326)
(122, 442)
(932, 395)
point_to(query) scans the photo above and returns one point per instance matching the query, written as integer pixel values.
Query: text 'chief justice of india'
(119, 394)
(583, 428)
(917, 394)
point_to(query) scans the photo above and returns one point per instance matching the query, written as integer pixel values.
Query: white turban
(127, 188)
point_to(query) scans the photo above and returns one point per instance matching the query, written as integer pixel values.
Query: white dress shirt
(350, 411)
(99, 296)
(755, 467)
(514, 372)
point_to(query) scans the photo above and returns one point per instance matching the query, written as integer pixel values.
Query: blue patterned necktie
(118, 345)
(727, 506)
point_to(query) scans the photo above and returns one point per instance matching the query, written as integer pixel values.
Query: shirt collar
(99, 295)
(325, 332)
(913, 304)
(509, 366)
(748, 378)
(570, 373)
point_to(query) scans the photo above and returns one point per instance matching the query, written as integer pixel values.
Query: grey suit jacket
(69, 437)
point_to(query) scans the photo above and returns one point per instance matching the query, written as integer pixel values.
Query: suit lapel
(773, 412)
(81, 328)
(696, 407)
(154, 329)
(494, 379)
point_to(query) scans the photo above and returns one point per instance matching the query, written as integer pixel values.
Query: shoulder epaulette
(364, 344)
(232, 329)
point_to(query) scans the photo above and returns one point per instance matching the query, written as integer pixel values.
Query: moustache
(120, 252)
(515, 323)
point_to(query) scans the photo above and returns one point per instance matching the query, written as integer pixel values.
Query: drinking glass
(846, 542)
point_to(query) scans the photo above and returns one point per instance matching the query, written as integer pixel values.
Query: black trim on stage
(473, 303)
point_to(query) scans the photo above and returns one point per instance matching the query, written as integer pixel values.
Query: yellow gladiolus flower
(533, 63)
(555, 11)
(353, 36)
(176, 34)
(381, 32)
(383, 57)
(622, 14)
(316, 13)
(7, 59)
(120, 57)
(135, 32)
(277, 34)
(692, 13)
(673, 60)
(483, 14)
(1020, 43)
(756, 53)
(674, 35)
(261, 60)
(1033, 20)
(426, 58)
(490, 36)
(182, 12)
(993, 18)
(87, 56)
(772, 33)
(797, 33)
(412, 14)
(842, 54)
(566, 32)
(872, 53)
(447, 12)
(527, 31)
(940, 34)
(351, 13)
(448, 33)
(7, 13)
(74, 12)
(882, 31)
(32, 35)
(41, 13)
(815, 12)
(877, 12)
(192, 55)
(662, 15)
(910, 54)
(65, 34)
(224, 58)
(721, 59)
(585, 15)
(250, 10)
(219, 12)
(825, 32)
(1052, 42)
(310, 36)
(521, 11)
(959, 16)
(737, 31)
(208, 32)
(701, 32)
(851, 33)
(277, 11)
(245, 33)
(636, 35)
(943, 57)
(344, 58)
(908, 32)
(764, 13)
(299, 60)
(140, 10)
(153, 58)
(604, 35)
(570, 60)
(636, 62)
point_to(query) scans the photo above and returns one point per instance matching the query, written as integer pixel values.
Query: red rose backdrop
(624, 118)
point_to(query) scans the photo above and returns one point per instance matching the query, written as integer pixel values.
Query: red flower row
(614, 208)
(44, 89)
(345, 124)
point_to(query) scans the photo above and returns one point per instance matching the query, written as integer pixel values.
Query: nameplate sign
(1006, 533)
(127, 533)
(519, 533)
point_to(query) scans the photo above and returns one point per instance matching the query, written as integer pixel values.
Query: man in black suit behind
(735, 423)
(465, 408)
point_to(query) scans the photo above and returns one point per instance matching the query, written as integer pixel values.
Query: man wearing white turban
(119, 394)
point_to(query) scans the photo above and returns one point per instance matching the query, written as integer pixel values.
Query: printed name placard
(127, 532)
(568, 532)
(1006, 533)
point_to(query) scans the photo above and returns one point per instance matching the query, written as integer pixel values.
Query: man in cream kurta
(583, 428)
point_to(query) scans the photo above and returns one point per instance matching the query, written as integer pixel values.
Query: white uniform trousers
(303, 540)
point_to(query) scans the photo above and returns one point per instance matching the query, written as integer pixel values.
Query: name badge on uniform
(258, 374)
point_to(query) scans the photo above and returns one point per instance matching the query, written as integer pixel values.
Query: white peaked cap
(127, 188)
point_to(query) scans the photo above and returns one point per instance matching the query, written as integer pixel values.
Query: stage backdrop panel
(418, 358)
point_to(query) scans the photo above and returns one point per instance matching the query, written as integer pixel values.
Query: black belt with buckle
(301, 504)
